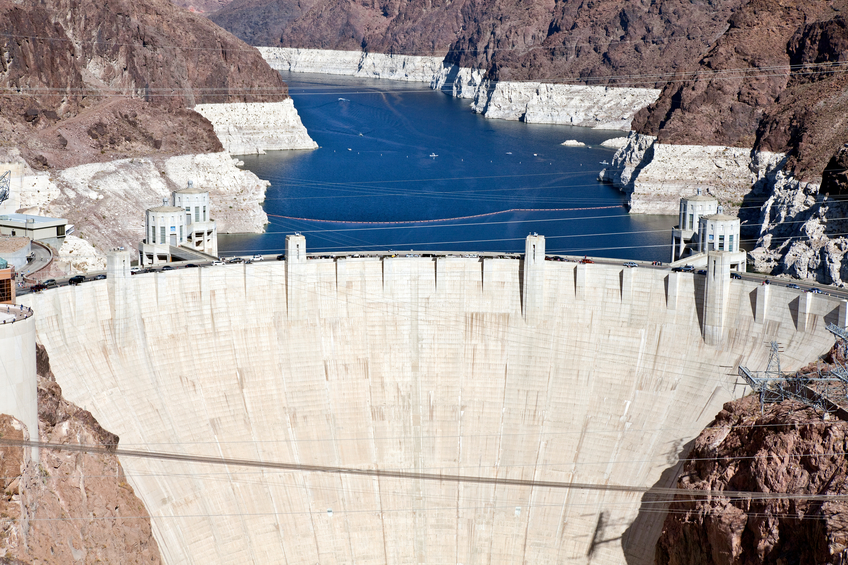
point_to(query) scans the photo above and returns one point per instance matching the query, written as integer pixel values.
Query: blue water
(374, 166)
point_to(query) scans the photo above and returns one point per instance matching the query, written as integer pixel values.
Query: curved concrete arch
(418, 364)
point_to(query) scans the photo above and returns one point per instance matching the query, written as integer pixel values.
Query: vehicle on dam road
(630, 264)
(76, 280)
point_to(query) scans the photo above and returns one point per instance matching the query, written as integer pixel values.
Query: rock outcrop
(69, 507)
(788, 449)
(656, 175)
(803, 226)
(354, 63)
(254, 127)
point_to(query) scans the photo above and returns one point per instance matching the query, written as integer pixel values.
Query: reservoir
(404, 167)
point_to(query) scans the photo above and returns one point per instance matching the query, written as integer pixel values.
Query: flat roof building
(38, 228)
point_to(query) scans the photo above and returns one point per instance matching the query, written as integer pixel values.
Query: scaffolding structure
(825, 390)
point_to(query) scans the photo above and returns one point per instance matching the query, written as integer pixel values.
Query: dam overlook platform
(549, 396)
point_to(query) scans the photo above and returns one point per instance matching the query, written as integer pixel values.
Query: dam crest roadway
(527, 370)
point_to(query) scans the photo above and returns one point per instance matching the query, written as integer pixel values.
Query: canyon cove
(400, 166)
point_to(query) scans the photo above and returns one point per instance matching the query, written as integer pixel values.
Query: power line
(413, 475)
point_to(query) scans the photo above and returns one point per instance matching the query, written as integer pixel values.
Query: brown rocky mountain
(104, 522)
(743, 73)
(597, 41)
(772, 81)
(788, 448)
(91, 80)
(202, 6)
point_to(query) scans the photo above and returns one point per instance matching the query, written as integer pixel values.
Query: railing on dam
(9, 313)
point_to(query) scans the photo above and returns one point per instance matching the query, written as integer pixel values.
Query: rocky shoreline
(597, 107)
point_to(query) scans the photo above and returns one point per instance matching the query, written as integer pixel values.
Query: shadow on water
(640, 538)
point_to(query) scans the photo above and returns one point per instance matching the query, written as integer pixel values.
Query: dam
(568, 380)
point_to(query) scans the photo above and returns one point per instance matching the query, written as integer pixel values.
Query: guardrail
(9, 314)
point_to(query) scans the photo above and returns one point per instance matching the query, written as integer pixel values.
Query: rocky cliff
(87, 81)
(592, 42)
(788, 448)
(69, 507)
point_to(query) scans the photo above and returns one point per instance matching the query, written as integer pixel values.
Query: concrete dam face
(543, 373)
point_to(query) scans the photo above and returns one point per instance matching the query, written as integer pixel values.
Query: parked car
(167, 268)
(281, 257)
(631, 264)
(258, 258)
(49, 282)
(736, 276)
(793, 285)
(100, 277)
(76, 280)
(190, 266)
(217, 263)
(702, 271)
(586, 261)
(687, 269)
(815, 291)
(235, 260)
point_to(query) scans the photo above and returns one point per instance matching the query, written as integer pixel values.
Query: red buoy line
(448, 219)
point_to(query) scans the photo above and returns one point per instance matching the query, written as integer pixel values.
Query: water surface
(404, 167)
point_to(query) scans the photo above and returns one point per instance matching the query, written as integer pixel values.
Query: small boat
(604, 162)
(433, 155)
(509, 152)
(343, 100)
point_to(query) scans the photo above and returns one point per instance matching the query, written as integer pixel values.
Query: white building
(184, 223)
(720, 232)
(47, 230)
(684, 236)
(201, 232)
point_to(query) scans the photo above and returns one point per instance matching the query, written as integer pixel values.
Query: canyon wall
(411, 365)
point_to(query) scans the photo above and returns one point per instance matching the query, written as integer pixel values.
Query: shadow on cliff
(447, 86)
(640, 539)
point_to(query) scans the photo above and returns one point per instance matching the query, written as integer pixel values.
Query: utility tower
(4, 186)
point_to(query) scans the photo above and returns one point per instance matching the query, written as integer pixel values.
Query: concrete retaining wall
(415, 364)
